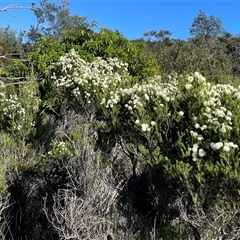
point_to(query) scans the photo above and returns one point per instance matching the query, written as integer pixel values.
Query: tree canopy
(206, 27)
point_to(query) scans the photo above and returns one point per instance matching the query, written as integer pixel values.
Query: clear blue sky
(134, 17)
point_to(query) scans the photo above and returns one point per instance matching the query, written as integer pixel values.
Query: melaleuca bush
(152, 103)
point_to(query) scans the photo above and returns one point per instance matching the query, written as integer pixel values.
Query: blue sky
(134, 17)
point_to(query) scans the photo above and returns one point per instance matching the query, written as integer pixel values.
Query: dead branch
(215, 223)
(13, 83)
(14, 54)
(6, 10)
(14, 6)
(4, 215)
(13, 78)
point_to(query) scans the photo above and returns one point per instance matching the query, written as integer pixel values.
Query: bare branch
(4, 215)
(215, 223)
(14, 54)
(9, 7)
(14, 6)
(14, 78)
(14, 83)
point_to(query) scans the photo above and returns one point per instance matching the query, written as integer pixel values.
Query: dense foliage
(106, 138)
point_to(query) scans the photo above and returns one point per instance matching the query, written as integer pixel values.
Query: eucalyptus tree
(53, 20)
(206, 27)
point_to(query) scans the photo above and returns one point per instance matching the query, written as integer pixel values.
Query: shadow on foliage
(147, 202)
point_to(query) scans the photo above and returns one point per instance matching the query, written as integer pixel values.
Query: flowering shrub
(185, 124)
(18, 108)
(55, 164)
(204, 114)
(88, 82)
(59, 149)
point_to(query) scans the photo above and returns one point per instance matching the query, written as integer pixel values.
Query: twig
(14, 83)
(14, 6)
(14, 54)
(12, 78)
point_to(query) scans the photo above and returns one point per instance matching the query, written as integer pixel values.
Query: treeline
(108, 138)
(211, 50)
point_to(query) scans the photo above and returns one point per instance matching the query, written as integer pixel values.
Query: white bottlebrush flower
(146, 96)
(197, 125)
(235, 146)
(199, 77)
(197, 74)
(216, 146)
(194, 134)
(229, 113)
(200, 138)
(220, 113)
(129, 108)
(195, 147)
(201, 153)
(226, 148)
(188, 86)
(167, 99)
(204, 127)
(153, 123)
(231, 144)
(223, 129)
(228, 118)
(208, 109)
(145, 127)
(194, 156)
(181, 113)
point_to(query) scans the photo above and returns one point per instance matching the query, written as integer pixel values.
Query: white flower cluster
(140, 96)
(217, 116)
(145, 127)
(17, 108)
(55, 169)
(87, 79)
(12, 106)
(216, 113)
(196, 135)
(197, 152)
(108, 82)
(226, 146)
(199, 77)
(193, 80)
(59, 148)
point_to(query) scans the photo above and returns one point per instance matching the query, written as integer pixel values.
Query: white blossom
(188, 86)
(181, 113)
(145, 127)
(216, 146)
(226, 148)
(153, 123)
(201, 152)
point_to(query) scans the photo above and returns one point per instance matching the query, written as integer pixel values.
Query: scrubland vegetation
(108, 138)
